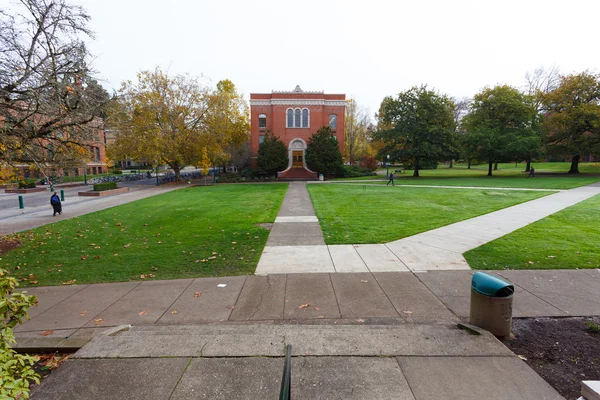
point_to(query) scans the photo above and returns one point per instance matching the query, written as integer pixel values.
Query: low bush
(353, 171)
(230, 177)
(27, 184)
(117, 171)
(100, 187)
(369, 163)
(16, 370)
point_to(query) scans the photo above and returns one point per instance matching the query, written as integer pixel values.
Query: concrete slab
(132, 346)
(310, 296)
(411, 298)
(378, 258)
(296, 202)
(348, 378)
(296, 234)
(346, 259)
(297, 219)
(445, 243)
(359, 295)
(448, 283)
(570, 291)
(459, 305)
(419, 257)
(80, 308)
(474, 378)
(146, 379)
(231, 378)
(204, 301)
(143, 305)
(406, 339)
(262, 297)
(294, 259)
(49, 296)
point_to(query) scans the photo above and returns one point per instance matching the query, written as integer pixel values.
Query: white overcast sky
(365, 49)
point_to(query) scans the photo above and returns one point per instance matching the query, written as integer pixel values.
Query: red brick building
(294, 117)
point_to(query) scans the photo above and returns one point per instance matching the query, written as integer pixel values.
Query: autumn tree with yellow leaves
(176, 121)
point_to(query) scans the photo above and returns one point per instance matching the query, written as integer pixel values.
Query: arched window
(333, 121)
(290, 118)
(297, 118)
(305, 120)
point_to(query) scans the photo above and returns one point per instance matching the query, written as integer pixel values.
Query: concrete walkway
(438, 249)
(388, 335)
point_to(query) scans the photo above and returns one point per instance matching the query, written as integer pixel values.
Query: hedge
(100, 187)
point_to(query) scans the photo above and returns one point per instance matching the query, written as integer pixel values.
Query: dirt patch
(563, 351)
(7, 245)
(266, 225)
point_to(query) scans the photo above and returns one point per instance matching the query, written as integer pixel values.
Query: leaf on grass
(98, 321)
(233, 242)
(211, 257)
(127, 245)
(46, 333)
(97, 257)
(551, 256)
(197, 294)
(72, 281)
(84, 257)
(143, 313)
(151, 275)
(116, 254)
(531, 262)
(304, 305)
(143, 276)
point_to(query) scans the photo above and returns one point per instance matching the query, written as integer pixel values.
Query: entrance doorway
(297, 158)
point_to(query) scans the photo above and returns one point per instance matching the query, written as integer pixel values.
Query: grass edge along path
(191, 232)
(567, 239)
(360, 214)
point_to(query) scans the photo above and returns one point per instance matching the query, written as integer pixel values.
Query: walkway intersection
(294, 247)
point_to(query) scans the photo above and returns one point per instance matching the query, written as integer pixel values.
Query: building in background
(294, 117)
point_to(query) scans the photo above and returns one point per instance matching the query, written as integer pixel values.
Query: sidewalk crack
(257, 308)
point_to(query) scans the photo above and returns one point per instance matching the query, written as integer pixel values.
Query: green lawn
(539, 182)
(548, 176)
(567, 239)
(192, 232)
(352, 214)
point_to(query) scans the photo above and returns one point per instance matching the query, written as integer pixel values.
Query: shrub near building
(272, 156)
(323, 153)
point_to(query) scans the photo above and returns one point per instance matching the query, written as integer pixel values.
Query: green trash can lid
(490, 285)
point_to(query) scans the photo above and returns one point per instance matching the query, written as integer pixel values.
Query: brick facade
(310, 111)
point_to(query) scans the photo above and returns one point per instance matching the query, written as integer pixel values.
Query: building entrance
(297, 158)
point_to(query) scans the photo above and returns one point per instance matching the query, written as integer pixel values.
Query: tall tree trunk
(575, 164)
(177, 169)
(496, 166)
(416, 170)
(490, 168)
(450, 164)
(528, 167)
(469, 163)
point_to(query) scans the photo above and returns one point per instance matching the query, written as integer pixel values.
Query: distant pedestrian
(56, 205)
(531, 173)
(391, 179)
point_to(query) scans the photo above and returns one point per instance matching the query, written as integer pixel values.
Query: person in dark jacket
(531, 173)
(391, 179)
(55, 202)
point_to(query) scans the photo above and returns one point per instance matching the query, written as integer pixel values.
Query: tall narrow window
(305, 118)
(290, 118)
(333, 121)
(261, 139)
(297, 118)
(262, 121)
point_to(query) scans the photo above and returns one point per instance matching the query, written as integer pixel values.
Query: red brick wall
(276, 116)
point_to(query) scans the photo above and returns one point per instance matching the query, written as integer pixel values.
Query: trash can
(491, 303)
(320, 177)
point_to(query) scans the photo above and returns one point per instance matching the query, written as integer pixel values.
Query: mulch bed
(7, 245)
(563, 351)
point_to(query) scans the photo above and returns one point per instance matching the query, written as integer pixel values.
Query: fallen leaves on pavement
(46, 333)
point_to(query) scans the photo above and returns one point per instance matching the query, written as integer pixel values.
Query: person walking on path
(391, 179)
(531, 173)
(56, 205)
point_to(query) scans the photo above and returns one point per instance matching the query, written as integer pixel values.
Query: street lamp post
(387, 168)
(157, 183)
(85, 176)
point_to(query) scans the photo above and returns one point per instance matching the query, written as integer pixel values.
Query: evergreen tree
(323, 152)
(272, 156)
